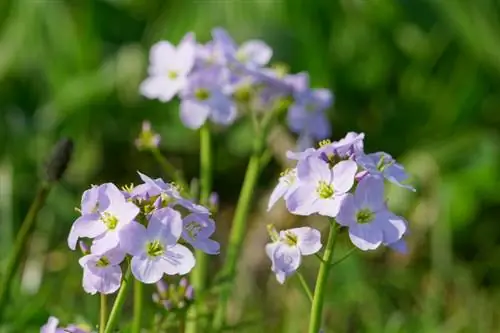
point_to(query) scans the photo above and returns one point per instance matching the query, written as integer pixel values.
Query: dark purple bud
(162, 288)
(189, 294)
(183, 283)
(84, 247)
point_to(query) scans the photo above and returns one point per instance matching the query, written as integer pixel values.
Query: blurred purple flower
(154, 249)
(322, 189)
(383, 165)
(197, 230)
(287, 250)
(168, 69)
(102, 273)
(52, 327)
(204, 99)
(365, 214)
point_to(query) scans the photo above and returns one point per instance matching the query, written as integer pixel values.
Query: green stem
(344, 257)
(319, 290)
(104, 313)
(136, 326)
(20, 244)
(304, 285)
(118, 305)
(199, 273)
(170, 170)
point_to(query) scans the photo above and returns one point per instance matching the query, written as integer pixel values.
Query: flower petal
(329, 207)
(301, 201)
(133, 238)
(147, 269)
(286, 258)
(278, 192)
(85, 226)
(366, 236)
(194, 114)
(106, 242)
(165, 224)
(370, 194)
(347, 211)
(308, 240)
(343, 176)
(255, 52)
(178, 259)
(313, 170)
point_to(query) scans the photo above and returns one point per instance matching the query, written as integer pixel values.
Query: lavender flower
(154, 248)
(169, 68)
(197, 228)
(383, 165)
(322, 189)
(52, 327)
(102, 273)
(288, 247)
(204, 99)
(287, 184)
(105, 213)
(365, 214)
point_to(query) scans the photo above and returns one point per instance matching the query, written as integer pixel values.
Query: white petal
(308, 240)
(343, 176)
(146, 269)
(178, 259)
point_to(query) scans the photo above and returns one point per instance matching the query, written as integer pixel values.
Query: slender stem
(20, 244)
(138, 287)
(169, 169)
(236, 237)
(319, 290)
(199, 272)
(304, 285)
(118, 305)
(104, 313)
(344, 257)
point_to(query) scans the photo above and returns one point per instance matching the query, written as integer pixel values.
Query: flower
(106, 211)
(52, 327)
(148, 139)
(197, 228)
(169, 68)
(322, 189)
(365, 214)
(102, 272)
(204, 99)
(287, 183)
(383, 165)
(288, 247)
(154, 248)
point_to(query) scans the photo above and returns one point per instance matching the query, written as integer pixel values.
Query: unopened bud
(58, 160)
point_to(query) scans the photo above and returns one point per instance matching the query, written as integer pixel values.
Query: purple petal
(396, 174)
(89, 281)
(185, 56)
(85, 226)
(106, 242)
(50, 326)
(146, 269)
(301, 201)
(399, 246)
(133, 238)
(207, 245)
(256, 52)
(308, 240)
(165, 224)
(109, 280)
(329, 207)
(286, 258)
(278, 192)
(392, 226)
(366, 236)
(178, 259)
(223, 110)
(194, 114)
(343, 176)
(313, 170)
(370, 194)
(300, 155)
(160, 55)
(347, 211)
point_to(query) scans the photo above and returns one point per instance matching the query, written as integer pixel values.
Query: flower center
(202, 94)
(109, 220)
(102, 262)
(324, 190)
(172, 75)
(288, 176)
(193, 228)
(155, 249)
(364, 216)
(290, 238)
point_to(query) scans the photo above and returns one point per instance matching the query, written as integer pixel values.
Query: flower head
(154, 248)
(197, 230)
(383, 165)
(365, 214)
(169, 68)
(287, 249)
(102, 272)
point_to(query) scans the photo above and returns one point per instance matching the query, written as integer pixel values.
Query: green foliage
(420, 78)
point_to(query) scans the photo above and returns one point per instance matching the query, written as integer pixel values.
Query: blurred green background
(420, 77)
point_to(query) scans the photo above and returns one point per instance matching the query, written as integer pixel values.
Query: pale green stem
(305, 287)
(138, 288)
(319, 290)
(199, 273)
(118, 304)
(103, 313)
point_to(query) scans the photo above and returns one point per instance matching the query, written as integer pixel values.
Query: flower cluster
(219, 79)
(52, 326)
(173, 296)
(149, 224)
(339, 180)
